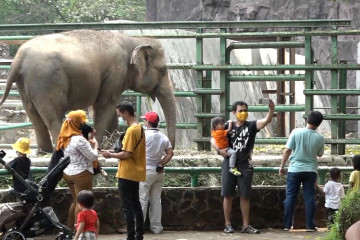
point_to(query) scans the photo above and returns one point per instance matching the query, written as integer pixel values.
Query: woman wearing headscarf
(78, 174)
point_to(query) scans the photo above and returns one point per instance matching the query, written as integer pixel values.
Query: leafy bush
(348, 214)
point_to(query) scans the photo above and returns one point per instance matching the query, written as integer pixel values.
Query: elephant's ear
(140, 57)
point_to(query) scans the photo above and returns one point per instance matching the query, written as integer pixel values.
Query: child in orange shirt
(219, 134)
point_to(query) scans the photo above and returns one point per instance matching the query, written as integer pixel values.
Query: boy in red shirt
(88, 225)
(219, 135)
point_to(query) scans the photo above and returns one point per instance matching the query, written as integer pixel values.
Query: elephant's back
(78, 40)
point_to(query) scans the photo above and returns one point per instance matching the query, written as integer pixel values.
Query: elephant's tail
(13, 76)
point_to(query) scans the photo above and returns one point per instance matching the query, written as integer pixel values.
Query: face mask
(242, 116)
(121, 121)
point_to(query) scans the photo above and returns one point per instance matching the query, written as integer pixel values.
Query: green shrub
(348, 214)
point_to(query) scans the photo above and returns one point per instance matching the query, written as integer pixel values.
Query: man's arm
(260, 124)
(169, 153)
(119, 155)
(285, 157)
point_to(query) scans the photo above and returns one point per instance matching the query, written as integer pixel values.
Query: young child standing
(334, 192)
(219, 134)
(88, 225)
(354, 180)
(21, 164)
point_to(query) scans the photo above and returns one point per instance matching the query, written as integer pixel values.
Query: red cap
(151, 117)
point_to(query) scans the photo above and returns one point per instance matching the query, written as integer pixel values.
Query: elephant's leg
(42, 134)
(52, 114)
(105, 119)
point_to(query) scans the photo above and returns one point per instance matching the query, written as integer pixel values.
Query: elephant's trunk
(165, 95)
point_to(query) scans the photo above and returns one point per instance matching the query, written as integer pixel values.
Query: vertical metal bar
(334, 98)
(194, 180)
(138, 107)
(224, 84)
(207, 108)
(199, 84)
(280, 92)
(321, 177)
(292, 90)
(342, 109)
(309, 102)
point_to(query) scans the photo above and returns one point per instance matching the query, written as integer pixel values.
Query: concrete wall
(194, 208)
(240, 10)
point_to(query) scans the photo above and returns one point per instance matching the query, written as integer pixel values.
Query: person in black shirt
(241, 139)
(21, 164)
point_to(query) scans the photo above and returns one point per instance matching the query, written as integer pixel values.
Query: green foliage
(70, 11)
(348, 214)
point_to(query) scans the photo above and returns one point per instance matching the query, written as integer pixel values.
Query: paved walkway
(266, 234)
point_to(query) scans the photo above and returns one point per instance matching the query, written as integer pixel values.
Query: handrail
(196, 171)
(180, 24)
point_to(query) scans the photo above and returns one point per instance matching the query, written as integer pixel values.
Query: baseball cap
(151, 117)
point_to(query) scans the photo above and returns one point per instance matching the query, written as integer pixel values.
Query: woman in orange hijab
(78, 174)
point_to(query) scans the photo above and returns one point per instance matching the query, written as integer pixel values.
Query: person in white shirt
(158, 153)
(334, 191)
(82, 153)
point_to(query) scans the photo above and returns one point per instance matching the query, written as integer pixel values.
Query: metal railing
(203, 89)
(195, 172)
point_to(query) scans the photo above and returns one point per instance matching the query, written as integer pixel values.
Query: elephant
(59, 72)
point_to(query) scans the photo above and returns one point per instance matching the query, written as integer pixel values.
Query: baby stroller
(28, 218)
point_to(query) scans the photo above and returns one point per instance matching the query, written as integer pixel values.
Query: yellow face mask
(242, 116)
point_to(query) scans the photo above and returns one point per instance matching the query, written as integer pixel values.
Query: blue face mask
(121, 121)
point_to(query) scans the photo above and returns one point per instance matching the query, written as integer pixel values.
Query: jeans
(232, 160)
(131, 207)
(293, 182)
(151, 191)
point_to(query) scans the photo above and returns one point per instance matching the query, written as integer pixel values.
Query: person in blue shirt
(303, 147)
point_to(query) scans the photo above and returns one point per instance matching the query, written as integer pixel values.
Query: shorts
(229, 181)
(87, 236)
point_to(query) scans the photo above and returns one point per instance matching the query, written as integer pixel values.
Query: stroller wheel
(62, 236)
(14, 235)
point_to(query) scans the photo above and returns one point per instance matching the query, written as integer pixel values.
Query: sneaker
(312, 229)
(156, 231)
(235, 171)
(250, 230)
(229, 229)
(288, 229)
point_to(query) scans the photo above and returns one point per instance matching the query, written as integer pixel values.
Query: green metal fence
(195, 172)
(275, 39)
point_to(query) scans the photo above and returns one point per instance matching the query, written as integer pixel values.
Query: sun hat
(22, 145)
(151, 117)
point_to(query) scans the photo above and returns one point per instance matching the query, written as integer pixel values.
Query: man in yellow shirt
(131, 170)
